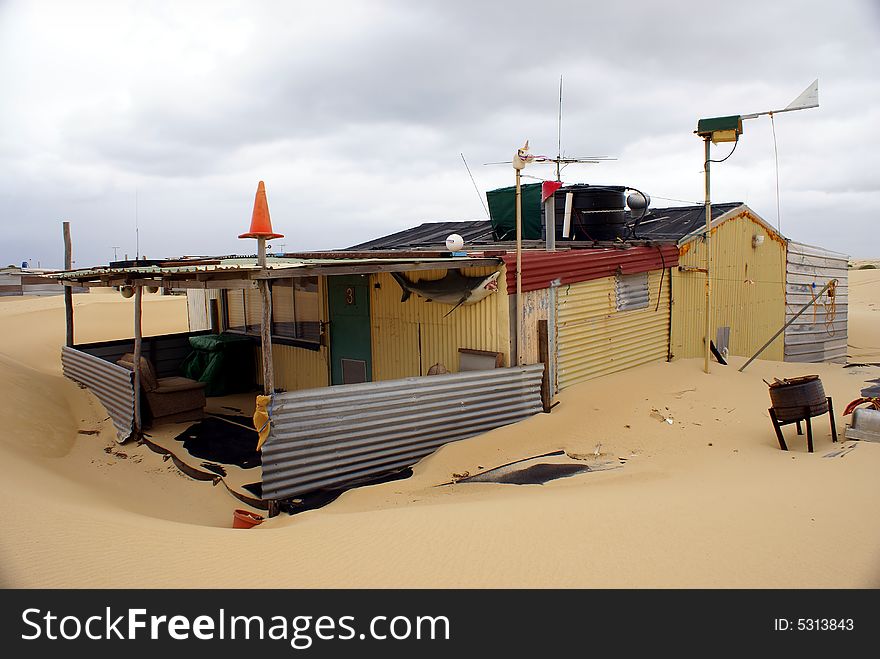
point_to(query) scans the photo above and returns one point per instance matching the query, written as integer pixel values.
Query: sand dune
(864, 316)
(708, 500)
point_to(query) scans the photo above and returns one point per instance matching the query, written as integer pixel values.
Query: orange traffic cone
(261, 225)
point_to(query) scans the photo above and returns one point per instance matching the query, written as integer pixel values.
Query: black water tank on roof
(597, 211)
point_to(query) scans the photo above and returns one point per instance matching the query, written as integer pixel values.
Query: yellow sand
(864, 316)
(706, 501)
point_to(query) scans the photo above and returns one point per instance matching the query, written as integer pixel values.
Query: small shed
(760, 281)
(748, 278)
(30, 281)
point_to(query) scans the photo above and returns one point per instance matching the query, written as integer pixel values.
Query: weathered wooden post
(68, 291)
(261, 229)
(544, 357)
(266, 323)
(138, 340)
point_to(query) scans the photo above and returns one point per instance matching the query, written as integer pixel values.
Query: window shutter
(632, 291)
(235, 310)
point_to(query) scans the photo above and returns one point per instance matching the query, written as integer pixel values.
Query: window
(235, 311)
(632, 291)
(243, 310)
(296, 310)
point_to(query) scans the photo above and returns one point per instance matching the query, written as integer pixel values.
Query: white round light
(454, 242)
(637, 201)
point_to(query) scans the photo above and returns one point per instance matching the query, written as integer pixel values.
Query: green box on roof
(502, 212)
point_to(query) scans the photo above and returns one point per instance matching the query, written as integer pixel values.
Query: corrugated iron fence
(327, 437)
(112, 384)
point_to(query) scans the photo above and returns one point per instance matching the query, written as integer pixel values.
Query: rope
(830, 306)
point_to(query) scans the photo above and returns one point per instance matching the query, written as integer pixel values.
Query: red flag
(548, 188)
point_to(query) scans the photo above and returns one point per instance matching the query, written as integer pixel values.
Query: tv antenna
(137, 231)
(560, 161)
(114, 248)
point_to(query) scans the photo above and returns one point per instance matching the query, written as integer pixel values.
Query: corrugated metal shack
(760, 280)
(410, 374)
(30, 281)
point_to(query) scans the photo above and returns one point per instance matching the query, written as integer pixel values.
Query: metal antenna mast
(559, 135)
(559, 161)
(137, 230)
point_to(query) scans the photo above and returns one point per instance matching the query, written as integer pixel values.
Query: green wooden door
(350, 352)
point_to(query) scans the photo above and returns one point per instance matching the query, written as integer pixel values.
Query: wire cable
(683, 201)
(776, 156)
(735, 144)
(662, 273)
(475, 184)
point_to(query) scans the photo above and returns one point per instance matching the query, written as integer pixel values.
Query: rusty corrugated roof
(544, 269)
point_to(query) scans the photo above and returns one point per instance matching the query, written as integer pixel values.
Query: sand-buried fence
(322, 438)
(112, 384)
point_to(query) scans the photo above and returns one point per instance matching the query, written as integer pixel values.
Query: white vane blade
(809, 98)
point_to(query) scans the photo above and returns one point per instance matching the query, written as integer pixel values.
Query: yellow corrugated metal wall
(595, 339)
(748, 291)
(295, 368)
(409, 337)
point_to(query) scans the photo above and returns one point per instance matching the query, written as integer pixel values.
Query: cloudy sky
(355, 115)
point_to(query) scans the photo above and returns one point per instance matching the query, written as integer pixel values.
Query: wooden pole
(266, 323)
(68, 291)
(519, 303)
(708, 262)
(544, 357)
(138, 293)
(266, 338)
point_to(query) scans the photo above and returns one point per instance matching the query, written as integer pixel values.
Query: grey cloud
(356, 117)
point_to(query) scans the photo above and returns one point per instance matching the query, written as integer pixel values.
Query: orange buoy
(261, 224)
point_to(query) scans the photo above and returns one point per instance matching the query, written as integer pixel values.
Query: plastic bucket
(243, 519)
